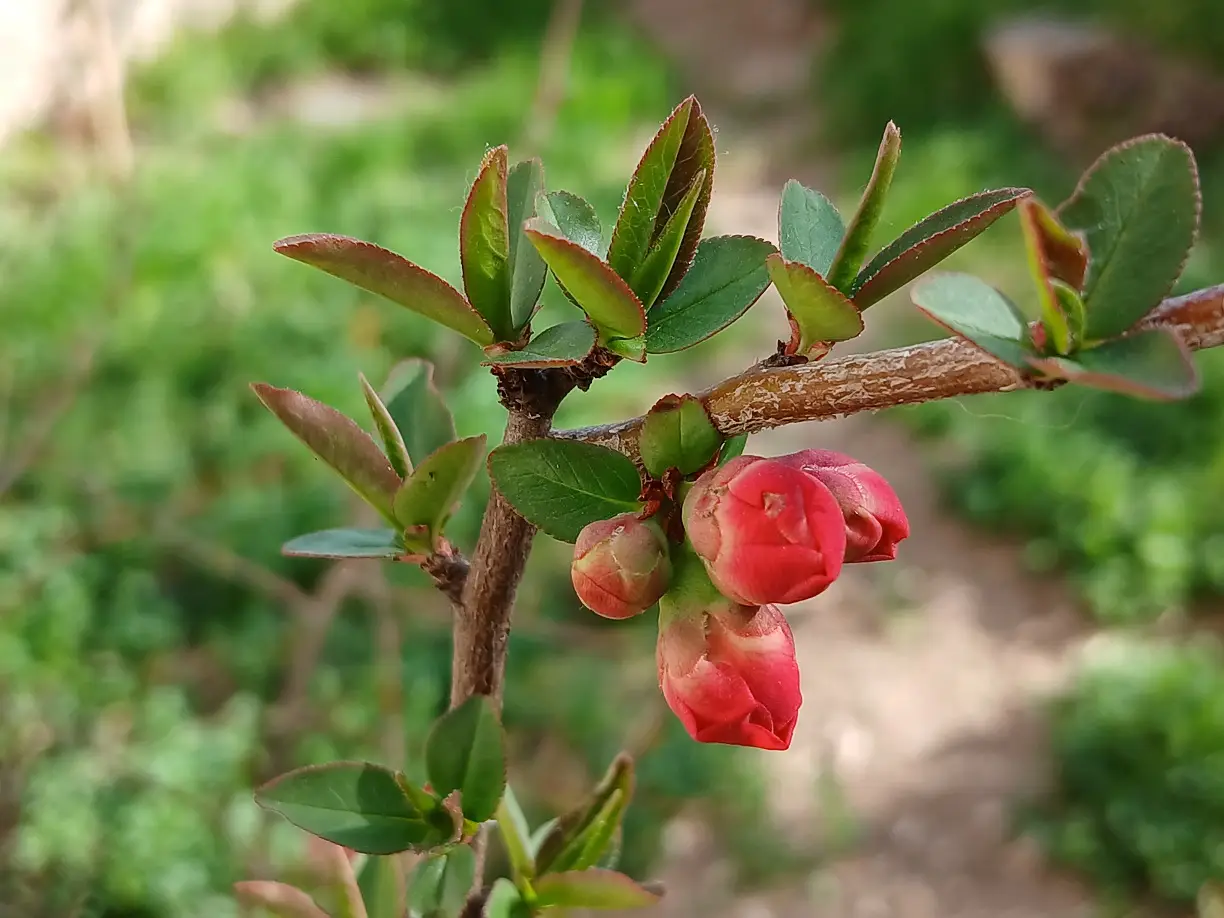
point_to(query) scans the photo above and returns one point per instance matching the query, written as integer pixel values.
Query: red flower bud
(729, 673)
(621, 566)
(875, 519)
(766, 531)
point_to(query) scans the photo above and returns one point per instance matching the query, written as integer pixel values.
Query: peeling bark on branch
(761, 398)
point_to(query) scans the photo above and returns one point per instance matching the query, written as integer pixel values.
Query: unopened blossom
(620, 566)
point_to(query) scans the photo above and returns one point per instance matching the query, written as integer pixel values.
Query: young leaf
(727, 276)
(560, 346)
(677, 433)
(810, 229)
(598, 889)
(387, 274)
(281, 899)
(1153, 364)
(465, 751)
(732, 448)
(930, 241)
(356, 805)
(1057, 327)
(418, 409)
(505, 901)
(428, 498)
(630, 348)
(346, 543)
(561, 485)
(648, 279)
(594, 843)
(974, 310)
(602, 295)
(857, 240)
(1065, 253)
(1138, 207)
(338, 441)
(820, 312)
(696, 155)
(562, 839)
(440, 884)
(516, 835)
(382, 887)
(527, 269)
(393, 440)
(484, 244)
(576, 219)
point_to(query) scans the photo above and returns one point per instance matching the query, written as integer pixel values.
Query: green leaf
(563, 840)
(381, 883)
(418, 409)
(465, 751)
(440, 884)
(356, 805)
(1072, 307)
(484, 244)
(727, 276)
(338, 441)
(527, 269)
(820, 312)
(677, 433)
(1053, 319)
(601, 889)
(576, 219)
(505, 901)
(428, 498)
(387, 274)
(974, 310)
(630, 348)
(281, 899)
(1153, 364)
(683, 147)
(602, 295)
(562, 485)
(562, 345)
(930, 241)
(346, 543)
(1065, 254)
(654, 270)
(857, 241)
(516, 835)
(733, 448)
(810, 229)
(1138, 207)
(393, 440)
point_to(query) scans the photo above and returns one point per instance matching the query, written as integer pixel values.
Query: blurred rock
(1085, 87)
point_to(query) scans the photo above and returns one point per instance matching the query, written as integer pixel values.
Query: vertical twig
(558, 51)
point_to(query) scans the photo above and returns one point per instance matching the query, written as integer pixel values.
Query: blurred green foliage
(145, 632)
(1139, 746)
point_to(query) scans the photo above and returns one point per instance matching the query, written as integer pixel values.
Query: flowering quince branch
(664, 510)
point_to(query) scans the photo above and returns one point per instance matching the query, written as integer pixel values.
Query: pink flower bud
(875, 519)
(766, 531)
(730, 674)
(621, 566)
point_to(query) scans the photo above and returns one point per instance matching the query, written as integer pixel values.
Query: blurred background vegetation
(158, 657)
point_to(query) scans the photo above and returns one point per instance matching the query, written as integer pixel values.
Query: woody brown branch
(762, 398)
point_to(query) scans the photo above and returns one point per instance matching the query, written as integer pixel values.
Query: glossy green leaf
(484, 244)
(418, 408)
(346, 543)
(393, 441)
(515, 834)
(810, 229)
(1153, 364)
(596, 889)
(466, 752)
(598, 290)
(383, 888)
(1138, 208)
(576, 219)
(338, 441)
(677, 433)
(930, 241)
(428, 498)
(440, 884)
(527, 269)
(820, 313)
(1057, 327)
(381, 271)
(281, 899)
(856, 243)
(356, 805)
(696, 155)
(630, 348)
(727, 276)
(733, 448)
(561, 485)
(560, 346)
(654, 270)
(974, 310)
(505, 901)
(564, 839)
